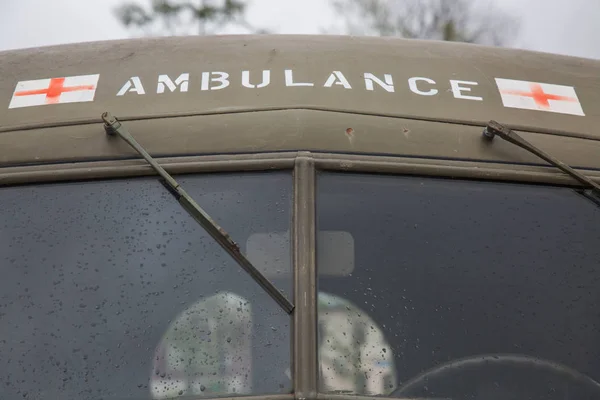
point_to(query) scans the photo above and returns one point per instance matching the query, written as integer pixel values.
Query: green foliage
(449, 20)
(175, 17)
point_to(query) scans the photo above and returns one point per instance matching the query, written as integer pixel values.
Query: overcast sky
(557, 26)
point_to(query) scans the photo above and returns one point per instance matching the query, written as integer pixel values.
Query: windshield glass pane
(111, 290)
(461, 290)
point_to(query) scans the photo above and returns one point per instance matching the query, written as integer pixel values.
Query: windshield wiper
(494, 128)
(114, 127)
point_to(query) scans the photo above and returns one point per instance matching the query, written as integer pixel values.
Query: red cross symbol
(56, 88)
(539, 96)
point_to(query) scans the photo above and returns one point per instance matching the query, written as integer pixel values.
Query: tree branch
(450, 20)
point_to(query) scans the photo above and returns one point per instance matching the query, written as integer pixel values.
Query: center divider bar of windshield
(112, 126)
(494, 128)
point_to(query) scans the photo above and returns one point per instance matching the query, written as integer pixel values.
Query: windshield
(461, 290)
(111, 290)
(427, 288)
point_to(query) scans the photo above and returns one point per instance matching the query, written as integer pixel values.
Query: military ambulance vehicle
(298, 217)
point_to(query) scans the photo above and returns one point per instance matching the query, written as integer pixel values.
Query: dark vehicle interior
(484, 290)
(458, 289)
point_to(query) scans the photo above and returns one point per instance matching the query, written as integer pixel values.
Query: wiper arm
(112, 127)
(494, 128)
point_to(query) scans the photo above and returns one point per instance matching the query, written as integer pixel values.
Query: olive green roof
(334, 111)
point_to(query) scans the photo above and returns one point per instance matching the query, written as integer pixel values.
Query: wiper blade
(114, 127)
(494, 128)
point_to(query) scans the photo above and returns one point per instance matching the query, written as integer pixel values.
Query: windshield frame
(304, 165)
